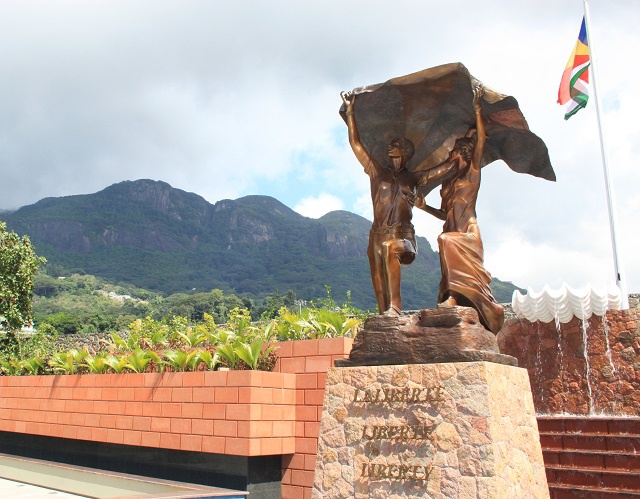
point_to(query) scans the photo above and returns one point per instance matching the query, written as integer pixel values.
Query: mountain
(149, 234)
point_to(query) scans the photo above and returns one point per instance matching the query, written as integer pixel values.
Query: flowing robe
(462, 253)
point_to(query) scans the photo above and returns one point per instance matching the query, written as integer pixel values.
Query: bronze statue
(446, 127)
(464, 279)
(393, 193)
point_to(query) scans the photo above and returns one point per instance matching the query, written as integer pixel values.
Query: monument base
(437, 335)
(456, 430)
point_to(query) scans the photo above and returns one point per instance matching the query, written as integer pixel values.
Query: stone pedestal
(455, 430)
(436, 335)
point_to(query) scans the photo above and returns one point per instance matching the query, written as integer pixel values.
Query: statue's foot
(392, 312)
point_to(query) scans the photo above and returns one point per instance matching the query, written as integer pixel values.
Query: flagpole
(617, 261)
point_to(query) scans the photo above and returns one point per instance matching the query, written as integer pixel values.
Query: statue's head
(463, 149)
(401, 147)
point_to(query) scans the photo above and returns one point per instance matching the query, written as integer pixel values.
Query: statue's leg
(378, 274)
(443, 291)
(394, 252)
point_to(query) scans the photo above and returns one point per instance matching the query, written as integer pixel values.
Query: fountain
(584, 377)
(587, 352)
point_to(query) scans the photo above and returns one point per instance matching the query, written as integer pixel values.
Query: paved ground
(16, 490)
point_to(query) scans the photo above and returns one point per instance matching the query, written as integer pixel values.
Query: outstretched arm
(438, 213)
(435, 176)
(354, 137)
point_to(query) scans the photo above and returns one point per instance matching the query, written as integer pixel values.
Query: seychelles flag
(574, 90)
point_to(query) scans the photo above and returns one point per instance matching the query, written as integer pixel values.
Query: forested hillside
(147, 234)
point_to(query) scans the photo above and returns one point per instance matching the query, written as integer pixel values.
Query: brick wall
(309, 360)
(243, 413)
(246, 413)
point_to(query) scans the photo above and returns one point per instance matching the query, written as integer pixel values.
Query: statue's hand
(411, 198)
(419, 203)
(478, 92)
(347, 98)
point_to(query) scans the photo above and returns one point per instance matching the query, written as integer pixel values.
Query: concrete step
(604, 426)
(595, 478)
(611, 461)
(627, 443)
(595, 458)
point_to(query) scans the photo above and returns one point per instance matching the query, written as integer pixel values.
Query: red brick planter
(243, 413)
(247, 413)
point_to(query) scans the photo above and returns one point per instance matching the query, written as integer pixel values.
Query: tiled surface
(16, 490)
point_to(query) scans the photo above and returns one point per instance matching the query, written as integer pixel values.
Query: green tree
(18, 265)
(64, 322)
(194, 306)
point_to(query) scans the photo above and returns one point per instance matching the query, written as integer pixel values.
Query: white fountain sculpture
(562, 304)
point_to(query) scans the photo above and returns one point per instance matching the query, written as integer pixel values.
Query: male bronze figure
(393, 194)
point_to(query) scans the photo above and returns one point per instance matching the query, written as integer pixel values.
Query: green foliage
(194, 306)
(272, 303)
(139, 360)
(124, 344)
(208, 327)
(117, 363)
(209, 359)
(291, 325)
(180, 360)
(67, 362)
(176, 344)
(26, 353)
(64, 322)
(228, 354)
(337, 324)
(85, 304)
(240, 321)
(192, 337)
(96, 364)
(33, 365)
(18, 265)
(39, 343)
(146, 332)
(322, 319)
(10, 367)
(252, 353)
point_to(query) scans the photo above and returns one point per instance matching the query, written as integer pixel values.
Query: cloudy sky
(240, 97)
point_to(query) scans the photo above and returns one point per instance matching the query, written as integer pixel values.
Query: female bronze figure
(464, 279)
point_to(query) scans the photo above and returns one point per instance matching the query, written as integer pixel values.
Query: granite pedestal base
(441, 431)
(436, 335)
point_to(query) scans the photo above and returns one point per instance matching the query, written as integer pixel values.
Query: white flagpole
(617, 261)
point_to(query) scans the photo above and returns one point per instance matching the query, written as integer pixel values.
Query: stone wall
(563, 380)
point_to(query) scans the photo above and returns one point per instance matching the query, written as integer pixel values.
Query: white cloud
(532, 264)
(207, 96)
(315, 207)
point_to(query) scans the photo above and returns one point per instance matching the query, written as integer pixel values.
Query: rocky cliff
(154, 236)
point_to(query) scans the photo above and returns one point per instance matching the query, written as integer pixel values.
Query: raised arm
(481, 137)
(361, 153)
